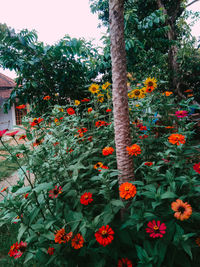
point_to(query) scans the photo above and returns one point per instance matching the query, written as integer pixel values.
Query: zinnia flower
(12, 133)
(90, 110)
(77, 241)
(176, 139)
(2, 133)
(107, 151)
(127, 190)
(4, 189)
(94, 88)
(133, 150)
(183, 210)
(77, 102)
(197, 240)
(104, 235)
(124, 262)
(17, 249)
(156, 229)
(47, 97)
(181, 113)
(21, 106)
(70, 111)
(62, 237)
(37, 142)
(85, 100)
(148, 163)
(167, 93)
(86, 198)
(196, 167)
(50, 251)
(98, 165)
(36, 122)
(55, 192)
(26, 195)
(108, 110)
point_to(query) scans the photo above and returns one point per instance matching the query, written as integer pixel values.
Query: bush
(67, 202)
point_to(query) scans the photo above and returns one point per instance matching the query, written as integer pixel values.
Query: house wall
(7, 120)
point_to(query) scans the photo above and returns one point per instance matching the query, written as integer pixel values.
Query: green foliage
(67, 157)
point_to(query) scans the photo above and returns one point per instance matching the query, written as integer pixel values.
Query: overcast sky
(52, 19)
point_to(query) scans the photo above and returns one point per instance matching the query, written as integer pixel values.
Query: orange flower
(62, 237)
(188, 91)
(182, 210)
(107, 151)
(127, 190)
(167, 93)
(47, 97)
(176, 139)
(98, 165)
(4, 189)
(133, 150)
(90, 110)
(104, 235)
(197, 240)
(169, 127)
(21, 106)
(36, 122)
(77, 241)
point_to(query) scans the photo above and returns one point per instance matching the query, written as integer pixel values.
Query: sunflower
(137, 93)
(127, 190)
(104, 235)
(94, 88)
(150, 84)
(133, 150)
(176, 139)
(182, 210)
(105, 85)
(62, 237)
(77, 241)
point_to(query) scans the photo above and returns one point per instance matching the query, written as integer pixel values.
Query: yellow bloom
(100, 97)
(105, 85)
(77, 102)
(137, 106)
(61, 109)
(150, 83)
(94, 88)
(136, 93)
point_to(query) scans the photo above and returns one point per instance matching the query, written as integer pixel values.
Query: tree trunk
(119, 84)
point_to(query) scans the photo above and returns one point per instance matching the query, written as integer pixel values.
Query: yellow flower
(137, 106)
(77, 102)
(100, 98)
(61, 109)
(105, 85)
(94, 88)
(136, 93)
(150, 83)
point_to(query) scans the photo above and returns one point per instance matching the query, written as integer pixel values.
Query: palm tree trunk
(120, 98)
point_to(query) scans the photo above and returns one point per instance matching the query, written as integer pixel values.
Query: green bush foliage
(67, 197)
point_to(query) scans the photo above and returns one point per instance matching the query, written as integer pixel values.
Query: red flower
(108, 110)
(70, 111)
(103, 167)
(82, 131)
(196, 167)
(134, 150)
(90, 110)
(26, 195)
(50, 251)
(21, 106)
(62, 237)
(22, 137)
(4, 189)
(100, 123)
(77, 241)
(143, 136)
(17, 249)
(90, 138)
(55, 192)
(124, 262)
(85, 100)
(47, 97)
(156, 229)
(36, 122)
(86, 198)
(2, 132)
(148, 163)
(107, 151)
(143, 128)
(104, 235)
(181, 113)
(12, 133)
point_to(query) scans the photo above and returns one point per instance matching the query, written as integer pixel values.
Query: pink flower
(12, 133)
(156, 229)
(2, 133)
(181, 113)
(55, 192)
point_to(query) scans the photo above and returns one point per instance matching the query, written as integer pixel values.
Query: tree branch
(192, 3)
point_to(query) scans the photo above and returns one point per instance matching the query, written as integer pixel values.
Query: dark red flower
(55, 192)
(70, 111)
(3, 132)
(12, 133)
(108, 110)
(21, 106)
(36, 122)
(17, 249)
(22, 137)
(124, 262)
(156, 229)
(196, 167)
(86, 198)
(148, 163)
(50, 251)
(85, 100)
(26, 195)
(104, 235)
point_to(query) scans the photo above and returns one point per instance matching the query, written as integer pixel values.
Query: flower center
(137, 92)
(155, 227)
(35, 121)
(181, 209)
(86, 196)
(104, 233)
(55, 191)
(126, 188)
(150, 84)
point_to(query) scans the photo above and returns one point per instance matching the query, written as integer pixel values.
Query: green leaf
(187, 249)
(22, 230)
(44, 186)
(168, 194)
(117, 203)
(23, 190)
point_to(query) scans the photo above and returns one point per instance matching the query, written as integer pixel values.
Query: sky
(53, 19)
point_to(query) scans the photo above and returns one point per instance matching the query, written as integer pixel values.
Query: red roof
(5, 93)
(6, 85)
